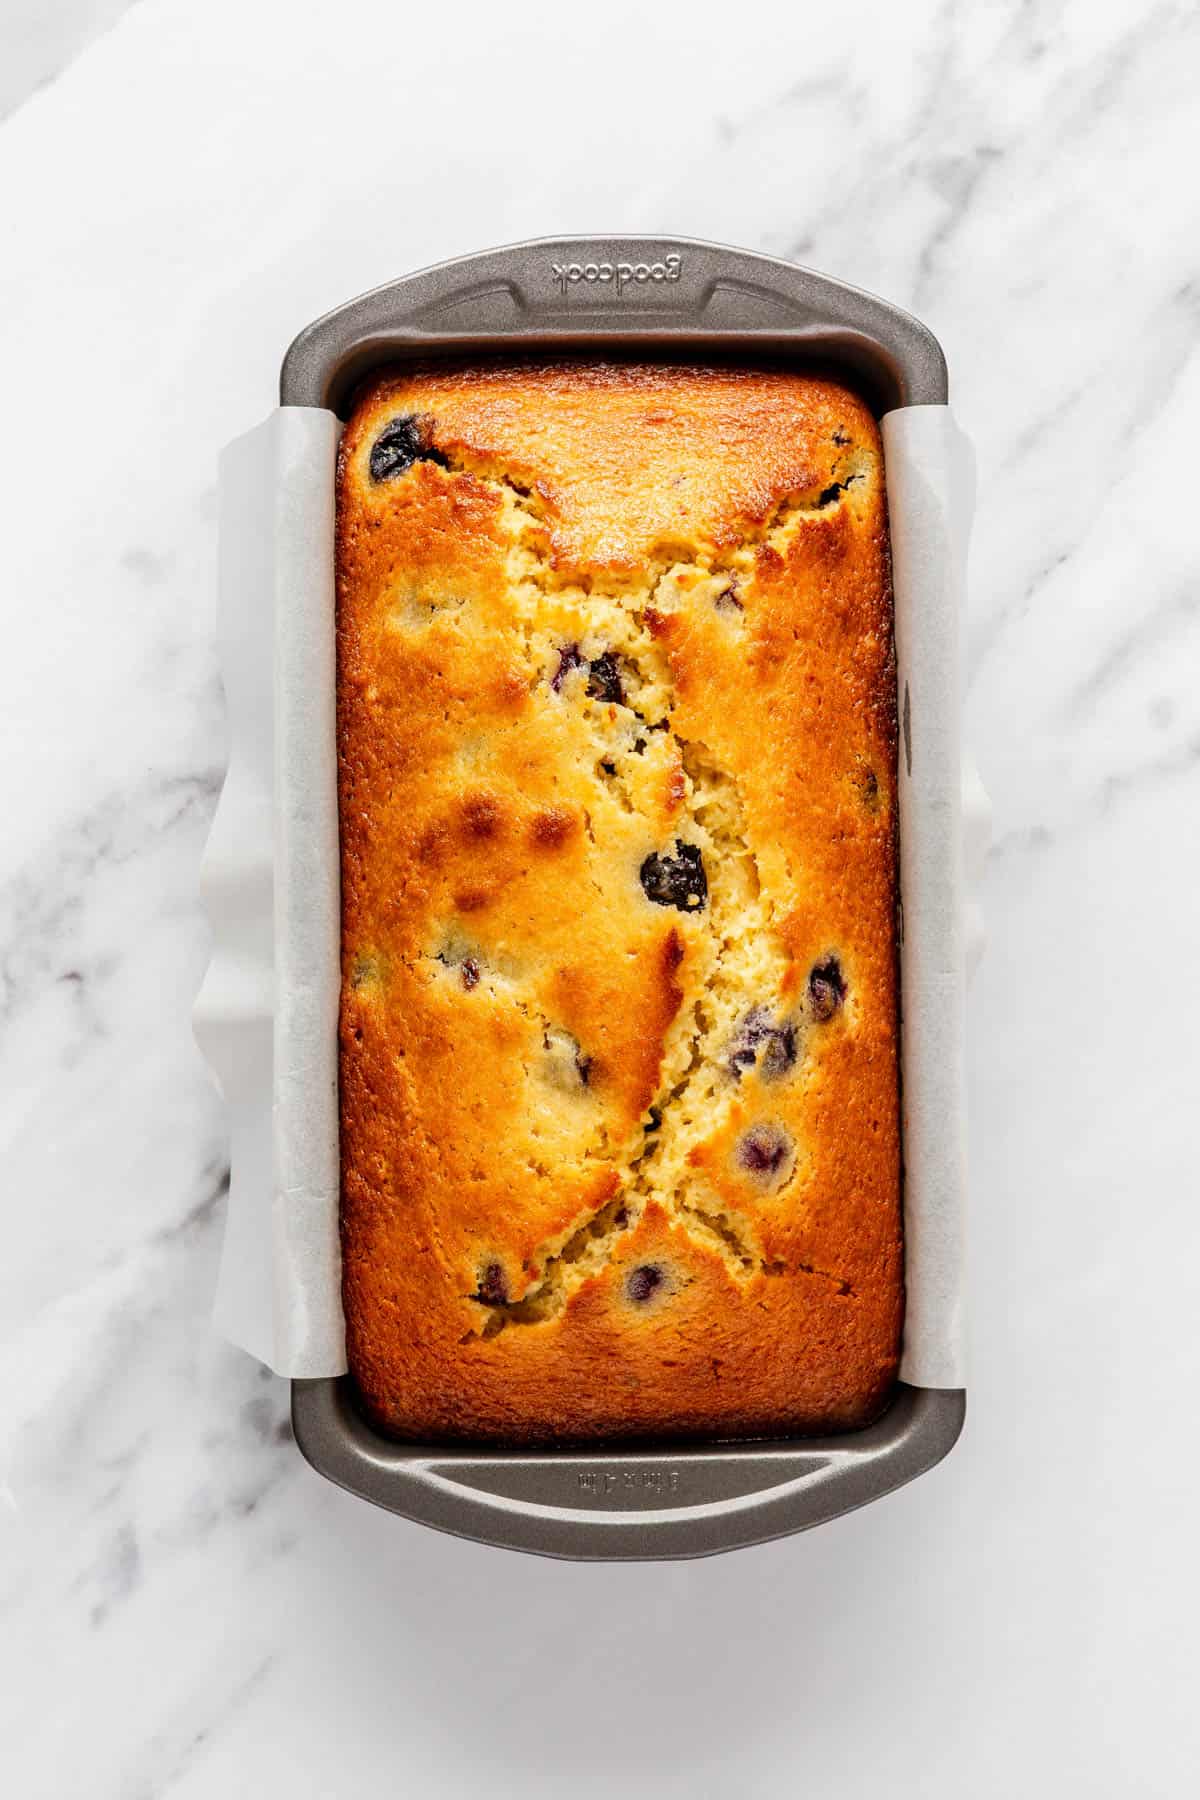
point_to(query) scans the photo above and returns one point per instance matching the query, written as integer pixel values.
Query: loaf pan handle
(635, 1504)
(595, 291)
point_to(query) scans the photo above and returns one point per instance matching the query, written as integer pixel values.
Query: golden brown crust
(620, 1149)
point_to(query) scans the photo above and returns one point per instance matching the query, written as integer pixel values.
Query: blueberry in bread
(616, 737)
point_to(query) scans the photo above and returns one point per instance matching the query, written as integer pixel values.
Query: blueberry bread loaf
(617, 730)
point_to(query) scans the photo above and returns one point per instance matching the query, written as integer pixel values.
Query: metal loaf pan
(664, 296)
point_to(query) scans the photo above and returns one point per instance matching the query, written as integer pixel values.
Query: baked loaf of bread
(617, 737)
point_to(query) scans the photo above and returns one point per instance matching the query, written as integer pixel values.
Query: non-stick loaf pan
(660, 296)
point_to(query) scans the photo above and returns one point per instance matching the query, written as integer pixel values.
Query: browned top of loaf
(619, 1155)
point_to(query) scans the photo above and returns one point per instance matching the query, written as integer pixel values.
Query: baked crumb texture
(616, 716)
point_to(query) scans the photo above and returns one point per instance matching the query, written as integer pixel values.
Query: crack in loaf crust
(616, 725)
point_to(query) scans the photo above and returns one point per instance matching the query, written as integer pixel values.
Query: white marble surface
(39, 38)
(185, 1609)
